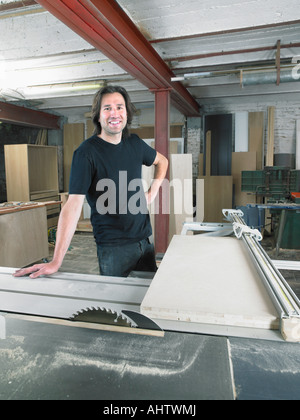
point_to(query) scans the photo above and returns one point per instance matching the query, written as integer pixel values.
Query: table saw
(217, 321)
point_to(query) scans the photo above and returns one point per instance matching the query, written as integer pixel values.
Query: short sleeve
(81, 173)
(149, 154)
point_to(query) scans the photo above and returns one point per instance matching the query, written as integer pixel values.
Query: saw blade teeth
(102, 315)
(75, 314)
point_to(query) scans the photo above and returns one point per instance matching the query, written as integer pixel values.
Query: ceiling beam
(105, 25)
(16, 5)
(225, 32)
(14, 114)
(233, 52)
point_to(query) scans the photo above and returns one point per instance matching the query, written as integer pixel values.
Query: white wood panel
(209, 280)
(181, 192)
(241, 131)
(23, 237)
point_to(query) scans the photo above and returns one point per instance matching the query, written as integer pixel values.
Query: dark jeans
(119, 261)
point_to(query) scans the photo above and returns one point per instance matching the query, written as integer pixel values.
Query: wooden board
(23, 237)
(217, 196)
(241, 122)
(209, 280)
(256, 137)
(17, 172)
(270, 139)
(242, 161)
(73, 137)
(30, 170)
(181, 192)
(42, 168)
(200, 164)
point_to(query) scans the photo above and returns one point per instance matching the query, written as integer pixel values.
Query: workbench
(283, 208)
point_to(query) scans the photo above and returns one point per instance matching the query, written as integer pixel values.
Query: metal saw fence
(283, 297)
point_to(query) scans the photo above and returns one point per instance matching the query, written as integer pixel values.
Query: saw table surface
(52, 362)
(44, 361)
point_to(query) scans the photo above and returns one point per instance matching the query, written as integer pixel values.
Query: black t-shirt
(110, 177)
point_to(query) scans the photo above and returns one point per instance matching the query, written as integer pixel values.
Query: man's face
(113, 114)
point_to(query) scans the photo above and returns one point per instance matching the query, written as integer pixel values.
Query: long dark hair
(97, 105)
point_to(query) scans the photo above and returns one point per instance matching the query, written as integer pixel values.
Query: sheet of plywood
(270, 138)
(241, 131)
(73, 137)
(217, 196)
(242, 161)
(181, 192)
(17, 172)
(256, 136)
(209, 280)
(173, 146)
(180, 188)
(200, 164)
(23, 237)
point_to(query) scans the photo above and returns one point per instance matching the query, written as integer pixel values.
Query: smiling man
(113, 117)
(104, 169)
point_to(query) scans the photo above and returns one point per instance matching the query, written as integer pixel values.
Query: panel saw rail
(283, 297)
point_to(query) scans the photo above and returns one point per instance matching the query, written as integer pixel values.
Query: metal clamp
(240, 229)
(228, 213)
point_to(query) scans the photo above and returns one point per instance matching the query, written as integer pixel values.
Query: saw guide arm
(283, 297)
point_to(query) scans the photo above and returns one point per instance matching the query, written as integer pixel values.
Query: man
(102, 166)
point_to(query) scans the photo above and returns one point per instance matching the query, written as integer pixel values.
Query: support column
(162, 139)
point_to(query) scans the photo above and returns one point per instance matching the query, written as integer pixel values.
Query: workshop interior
(216, 89)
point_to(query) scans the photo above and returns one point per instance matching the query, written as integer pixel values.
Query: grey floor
(291, 276)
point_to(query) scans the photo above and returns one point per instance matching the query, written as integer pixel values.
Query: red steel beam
(105, 25)
(20, 115)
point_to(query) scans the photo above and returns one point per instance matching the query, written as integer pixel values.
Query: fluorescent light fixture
(66, 87)
(191, 76)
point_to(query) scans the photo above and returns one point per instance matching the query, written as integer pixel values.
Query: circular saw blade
(102, 316)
